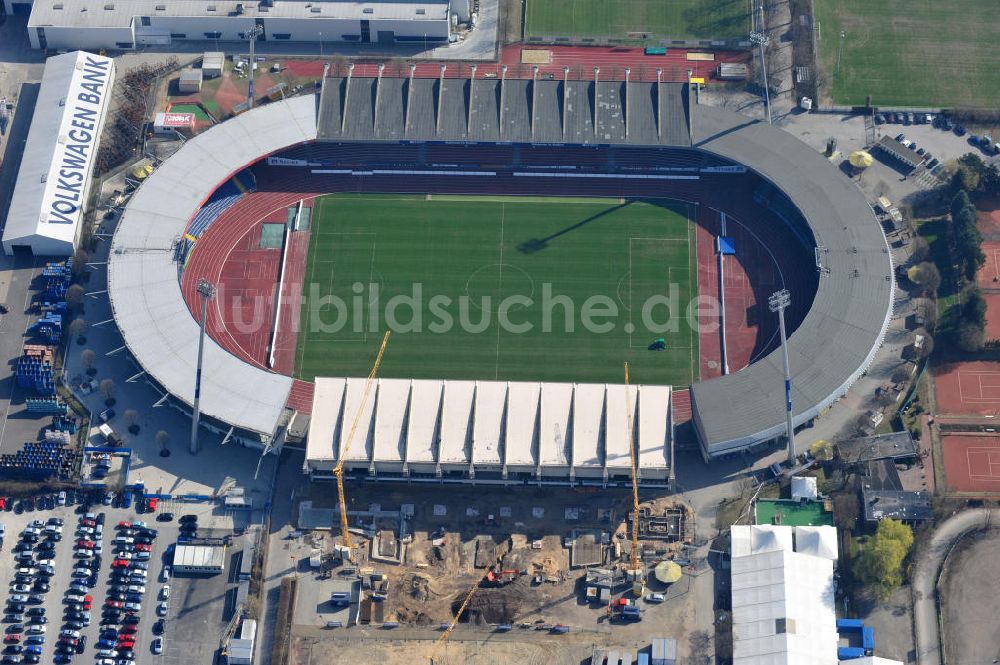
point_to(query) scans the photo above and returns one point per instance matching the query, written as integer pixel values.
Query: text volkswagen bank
(58, 158)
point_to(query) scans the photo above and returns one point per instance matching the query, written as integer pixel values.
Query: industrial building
(783, 595)
(491, 430)
(200, 559)
(53, 182)
(240, 650)
(131, 24)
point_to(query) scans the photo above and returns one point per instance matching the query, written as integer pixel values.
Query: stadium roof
(58, 157)
(160, 331)
(783, 595)
(490, 424)
(506, 109)
(837, 340)
(106, 14)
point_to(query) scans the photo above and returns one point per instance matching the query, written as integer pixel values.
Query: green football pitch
(504, 288)
(675, 19)
(910, 52)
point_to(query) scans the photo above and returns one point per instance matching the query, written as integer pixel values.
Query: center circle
(495, 282)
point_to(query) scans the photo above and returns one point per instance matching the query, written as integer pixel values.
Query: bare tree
(74, 298)
(77, 327)
(163, 438)
(132, 419)
(87, 356)
(108, 390)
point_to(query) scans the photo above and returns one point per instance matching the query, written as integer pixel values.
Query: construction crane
(635, 565)
(461, 608)
(345, 447)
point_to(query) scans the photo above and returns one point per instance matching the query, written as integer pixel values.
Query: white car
(136, 588)
(133, 607)
(20, 588)
(18, 598)
(105, 661)
(75, 598)
(138, 524)
(124, 540)
(75, 634)
(61, 499)
(36, 629)
(655, 598)
(162, 608)
(83, 554)
(165, 592)
(46, 562)
(158, 645)
(165, 574)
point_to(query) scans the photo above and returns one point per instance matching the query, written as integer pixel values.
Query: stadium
(477, 184)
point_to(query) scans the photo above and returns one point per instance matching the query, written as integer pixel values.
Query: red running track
(240, 318)
(581, 61)
(751, 266)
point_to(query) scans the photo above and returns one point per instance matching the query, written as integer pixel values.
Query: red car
(117, 604)
(143, 547)
(13, 638)
(88, 601)
(152, 505)
(3, 503)
(126, 630)
(124, 525)
(90, 523)
(120, 563)
(85, 544)
(72, 641)
(126, 644)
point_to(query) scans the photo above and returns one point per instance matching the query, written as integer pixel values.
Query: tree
(969, 337)
(80, 259)
(901, 374)
(132, 418)
(959, 201)
(928, 310)
(974, 309)
(920, 251)
(822, 450)
(77, 327)
(87, 356)
(108, 390)
(966, 178)
(163, 438)
(74, 297)
(880, 564)
(926, 276)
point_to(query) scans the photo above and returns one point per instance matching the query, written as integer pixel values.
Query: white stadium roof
(143, 285)
(783, 595)
(58, 157)
(523, 426)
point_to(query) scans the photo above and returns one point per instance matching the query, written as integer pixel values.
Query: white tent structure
(500, 431)
(53, 182)
(804, 487)
(783, 595)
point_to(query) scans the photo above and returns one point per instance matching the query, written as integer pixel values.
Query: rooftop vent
(161, 8)
(315, 10)
(421, 11)
(368, 10)
(58, 5)
(109, 6)
(210, 8)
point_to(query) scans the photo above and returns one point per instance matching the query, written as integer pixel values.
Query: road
(925, 577)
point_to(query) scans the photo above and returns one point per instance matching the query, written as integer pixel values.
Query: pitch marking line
(988, 459)
(979, 387)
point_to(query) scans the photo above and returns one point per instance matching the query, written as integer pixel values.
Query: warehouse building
(783, 594)
(97, 24)
(499, 431)
(54, 178)
(200, 559)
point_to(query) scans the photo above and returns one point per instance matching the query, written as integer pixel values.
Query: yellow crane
(635, 570)
(345, 447)
(461, 608)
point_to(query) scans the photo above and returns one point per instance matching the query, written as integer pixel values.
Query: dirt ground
(970, 601)
(527, 533)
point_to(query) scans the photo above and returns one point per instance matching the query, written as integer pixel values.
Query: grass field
(911, 52)
(479, 252)
(676, 19)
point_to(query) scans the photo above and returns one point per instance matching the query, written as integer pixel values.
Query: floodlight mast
(777, 302)
(207, 291)
(252, 34)
(762, 40)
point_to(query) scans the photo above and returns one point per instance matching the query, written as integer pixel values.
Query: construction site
(532, 564)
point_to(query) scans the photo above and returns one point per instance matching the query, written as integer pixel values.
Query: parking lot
(195, 599)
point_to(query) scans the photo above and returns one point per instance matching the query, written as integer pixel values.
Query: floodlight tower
(777, 302)
(252, 34)
(762, 40)
(207, 291)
